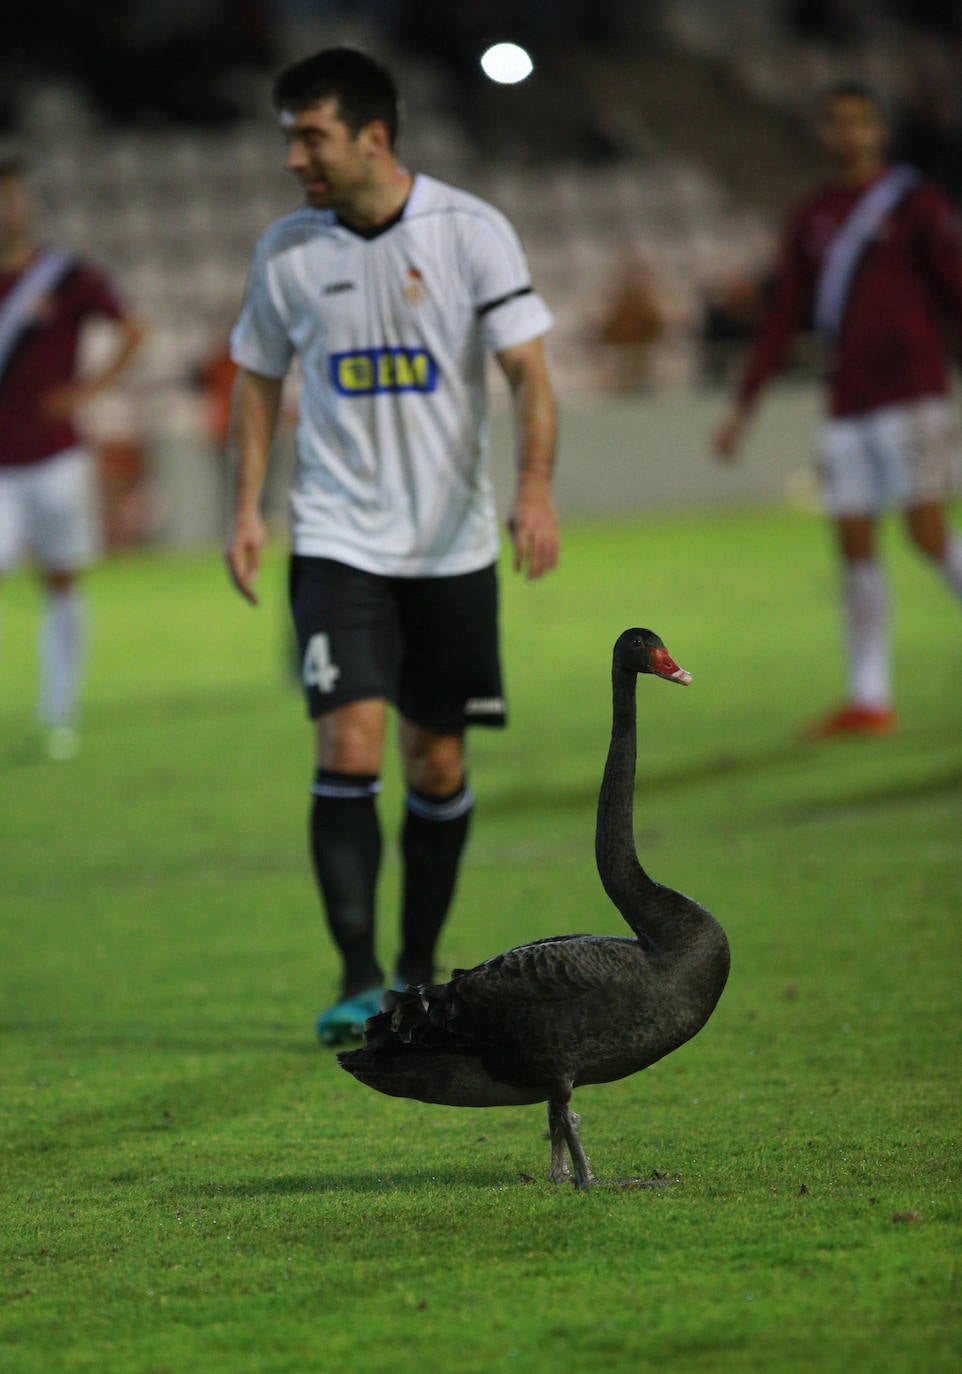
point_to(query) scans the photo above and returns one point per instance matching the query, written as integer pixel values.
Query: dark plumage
(535, 1023)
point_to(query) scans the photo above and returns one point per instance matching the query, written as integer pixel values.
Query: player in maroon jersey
(874, 260)
(47, 503)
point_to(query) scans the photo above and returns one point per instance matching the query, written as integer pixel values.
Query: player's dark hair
(364, 89)
(852, 89)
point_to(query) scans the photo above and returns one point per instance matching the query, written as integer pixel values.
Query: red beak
(665, 666)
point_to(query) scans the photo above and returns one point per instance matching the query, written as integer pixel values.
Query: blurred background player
(391, 288)
(47, 489)
(874, 260)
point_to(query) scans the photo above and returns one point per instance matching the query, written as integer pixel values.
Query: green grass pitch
(189, 1184)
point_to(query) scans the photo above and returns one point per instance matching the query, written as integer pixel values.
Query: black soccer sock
(432, 838)
(346, 849)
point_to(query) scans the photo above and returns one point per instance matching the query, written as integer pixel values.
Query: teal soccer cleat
(345, 1020)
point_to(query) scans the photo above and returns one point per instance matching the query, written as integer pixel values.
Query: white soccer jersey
(392, 334)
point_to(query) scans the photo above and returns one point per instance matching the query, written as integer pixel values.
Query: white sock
(63, 643)
(951, 563)
(865, 598)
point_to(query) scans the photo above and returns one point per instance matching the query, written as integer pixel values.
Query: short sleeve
(91, 293)
(259, 340)
(509, 310)
(940, 247)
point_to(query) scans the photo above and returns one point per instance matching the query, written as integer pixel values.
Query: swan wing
(528, 1015)
(545, 971)
(485, 1004)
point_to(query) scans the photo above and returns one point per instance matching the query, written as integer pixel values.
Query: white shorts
(905, 455)
(50, 508)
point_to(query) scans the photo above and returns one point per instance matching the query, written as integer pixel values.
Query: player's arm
(129, 333)
(791, 304)
(940, 247)
(533, 520)
(129, 339)
(256, 406)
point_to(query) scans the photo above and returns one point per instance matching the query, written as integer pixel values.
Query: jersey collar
(377, 230)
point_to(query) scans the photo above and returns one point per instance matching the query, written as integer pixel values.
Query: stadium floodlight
(506, 63)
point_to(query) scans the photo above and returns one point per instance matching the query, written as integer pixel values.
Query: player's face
(853, 130)
(16, 209)
(330, 162)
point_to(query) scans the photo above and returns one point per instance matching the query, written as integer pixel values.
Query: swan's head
(642, 651)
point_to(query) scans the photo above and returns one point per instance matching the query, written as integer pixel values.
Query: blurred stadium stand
(646, 165)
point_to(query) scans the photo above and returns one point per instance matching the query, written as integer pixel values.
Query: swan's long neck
(665, 921)
(622, 876)
(658, 915)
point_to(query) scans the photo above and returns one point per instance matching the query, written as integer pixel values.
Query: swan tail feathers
(449, 1080)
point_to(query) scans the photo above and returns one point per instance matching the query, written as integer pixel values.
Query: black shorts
(429, 645)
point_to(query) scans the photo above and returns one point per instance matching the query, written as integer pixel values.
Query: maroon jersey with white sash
(45, 357)
(906, 288)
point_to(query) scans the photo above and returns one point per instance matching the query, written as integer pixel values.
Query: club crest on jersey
(414, 286)
(373, 370)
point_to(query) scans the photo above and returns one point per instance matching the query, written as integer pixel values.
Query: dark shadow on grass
(530, 797)
(195, 704)
(942, 784)
(174, 1109)
(25, 748)
(284, 1041)
(324, 1181)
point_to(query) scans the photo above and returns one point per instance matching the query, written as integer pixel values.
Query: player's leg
(929, 451)
(851, 495)
(62, 654)
(64, 534)
(12, 524)
(347, 647)
(437, 817)
(450, 678)
(931, 535)
(865, 600)
(346, 834)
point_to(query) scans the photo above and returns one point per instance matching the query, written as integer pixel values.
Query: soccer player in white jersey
(391, 289)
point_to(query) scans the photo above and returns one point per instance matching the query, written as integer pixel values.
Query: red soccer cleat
(853, 719)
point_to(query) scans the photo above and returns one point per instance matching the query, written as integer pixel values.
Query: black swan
(536, 1022)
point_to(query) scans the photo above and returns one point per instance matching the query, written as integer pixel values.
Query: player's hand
(534, 531)
(243, 553)
(728, 437)
(61, 402)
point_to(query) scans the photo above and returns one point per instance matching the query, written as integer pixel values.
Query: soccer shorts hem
(898, 456)
(428, 645)
(49, 508)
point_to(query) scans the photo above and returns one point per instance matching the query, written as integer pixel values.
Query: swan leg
(565, 1138)
(584, 1175)
(560, 1171)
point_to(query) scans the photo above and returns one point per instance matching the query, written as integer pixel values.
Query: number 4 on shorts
(319, 670)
